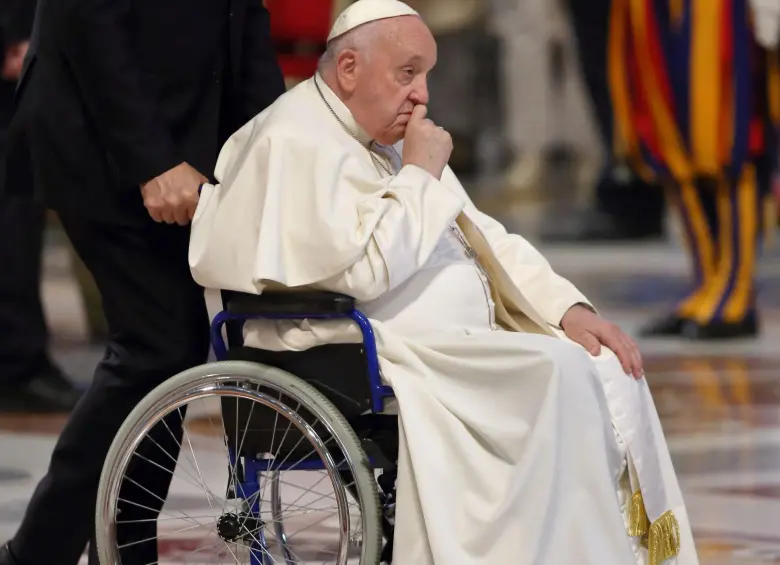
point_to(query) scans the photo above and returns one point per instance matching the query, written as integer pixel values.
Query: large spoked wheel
(282, 478)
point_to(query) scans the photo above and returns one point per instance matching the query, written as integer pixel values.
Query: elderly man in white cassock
(528, 433)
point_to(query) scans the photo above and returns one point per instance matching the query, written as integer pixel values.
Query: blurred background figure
(767, 23)
(299, 29)
(547, 121)
(29, 380)
(622, 206)
(696, 103)
(466, 82)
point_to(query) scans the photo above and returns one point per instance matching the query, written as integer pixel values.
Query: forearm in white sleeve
(416, 210)
(551, 294)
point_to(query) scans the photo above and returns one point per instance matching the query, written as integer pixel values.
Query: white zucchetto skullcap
(364, 11)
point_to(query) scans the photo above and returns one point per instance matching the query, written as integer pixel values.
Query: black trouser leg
(590, 22)
(636, 203)
(636, 206)
(158, 326)
(145, 489)
(143, 492)
(23, 332)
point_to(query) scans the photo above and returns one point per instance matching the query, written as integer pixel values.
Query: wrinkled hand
(426, 145)
(591, 331)
(14, 60)
(172, 197)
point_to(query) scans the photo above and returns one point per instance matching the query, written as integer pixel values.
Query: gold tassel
(664, 539)
(661, 538)
(638, 523)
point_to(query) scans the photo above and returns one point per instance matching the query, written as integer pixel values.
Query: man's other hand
(14, 61)
(591, 331)
(172, 197)
(426, 145)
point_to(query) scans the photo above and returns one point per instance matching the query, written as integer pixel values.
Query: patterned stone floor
(720, 404)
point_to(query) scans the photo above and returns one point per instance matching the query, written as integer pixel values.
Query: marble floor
(719, 403)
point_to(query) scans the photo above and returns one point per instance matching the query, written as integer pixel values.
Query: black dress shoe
(745, 329)
(46, 392)
(671, 325)
(5, 556)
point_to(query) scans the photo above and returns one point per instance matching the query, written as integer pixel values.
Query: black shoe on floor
(5, 556)
(673, 325)
(46, 392)
(670, 325)
(745, 329)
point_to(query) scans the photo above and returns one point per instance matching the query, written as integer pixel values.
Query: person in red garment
(299, 30)
(696, 100)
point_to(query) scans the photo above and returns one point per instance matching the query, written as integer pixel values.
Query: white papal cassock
(518, 448)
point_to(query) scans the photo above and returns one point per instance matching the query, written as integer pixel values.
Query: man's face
(392, 78)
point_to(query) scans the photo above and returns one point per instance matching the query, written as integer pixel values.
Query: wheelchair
(286, 418)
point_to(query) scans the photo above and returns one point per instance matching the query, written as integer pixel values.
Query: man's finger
(181, 215)
(154, 210)
(636, 360)
(155, 214)
(630, 353)
(612, 339)
(639, 370)
(625, 354)
(590, 342)
(419, 112)
(167, 216)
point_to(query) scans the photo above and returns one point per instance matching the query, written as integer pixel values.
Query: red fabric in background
(294, 20)
(300, 22)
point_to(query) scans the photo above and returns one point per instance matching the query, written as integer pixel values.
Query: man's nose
(420, 93)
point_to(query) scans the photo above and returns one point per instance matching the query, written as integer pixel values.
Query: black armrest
(289, 303)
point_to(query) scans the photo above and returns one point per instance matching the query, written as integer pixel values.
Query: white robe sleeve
(416, 211)
(551, 294)
(302, 213)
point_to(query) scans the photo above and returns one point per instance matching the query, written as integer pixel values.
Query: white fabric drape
(515, 442)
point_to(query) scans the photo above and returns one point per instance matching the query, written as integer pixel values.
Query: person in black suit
(121, 110)
(29, 379)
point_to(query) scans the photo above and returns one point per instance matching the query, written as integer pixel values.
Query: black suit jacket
(115, 92)
(16, 19)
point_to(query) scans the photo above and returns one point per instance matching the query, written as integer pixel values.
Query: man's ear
(346, 69)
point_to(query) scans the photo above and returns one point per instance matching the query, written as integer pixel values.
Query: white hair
(359, 39)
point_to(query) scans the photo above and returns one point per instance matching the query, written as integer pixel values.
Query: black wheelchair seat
(339, 371)
(289, 304)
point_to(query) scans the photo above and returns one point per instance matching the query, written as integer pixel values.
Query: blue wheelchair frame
(250, 485)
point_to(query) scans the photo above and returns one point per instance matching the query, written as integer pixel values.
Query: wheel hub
(243, 526)
(229, 527)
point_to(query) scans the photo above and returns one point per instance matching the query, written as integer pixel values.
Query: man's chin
(393, 136)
